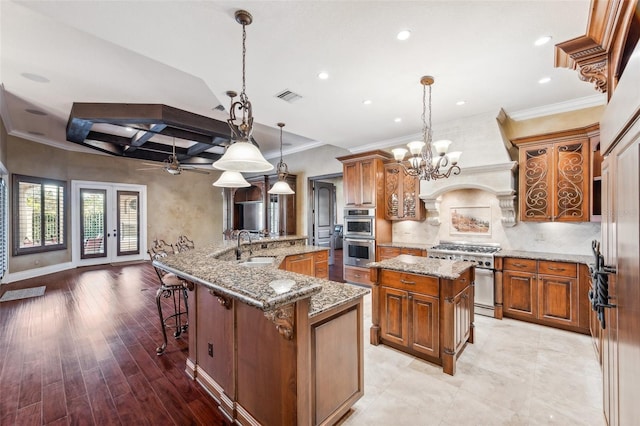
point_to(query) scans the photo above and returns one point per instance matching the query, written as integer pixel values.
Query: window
(39, 215)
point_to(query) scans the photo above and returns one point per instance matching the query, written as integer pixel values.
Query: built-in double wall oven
(359, 237)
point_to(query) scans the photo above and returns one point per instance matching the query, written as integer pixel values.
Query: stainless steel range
(482, 256)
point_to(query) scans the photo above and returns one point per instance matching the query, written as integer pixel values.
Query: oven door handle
(360, 240)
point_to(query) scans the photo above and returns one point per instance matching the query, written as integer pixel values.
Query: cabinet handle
(519, 265)
(357, 275)
(408, 282)
(552, 268)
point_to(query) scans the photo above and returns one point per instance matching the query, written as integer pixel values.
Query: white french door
(108, 222)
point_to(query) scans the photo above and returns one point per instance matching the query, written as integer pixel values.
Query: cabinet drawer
(322, 255)
(322, 272)
(515, 264)
(353, 274)
(564, 269)
(414, 252)
(410, 282)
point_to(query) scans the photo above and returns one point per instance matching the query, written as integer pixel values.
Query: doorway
(325, 201)
(108, 222)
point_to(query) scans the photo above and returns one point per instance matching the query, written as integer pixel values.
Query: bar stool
(171, 286)
(184, 244)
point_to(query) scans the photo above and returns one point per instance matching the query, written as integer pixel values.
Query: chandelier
(422, 163)
(242, 155)
(281, 187)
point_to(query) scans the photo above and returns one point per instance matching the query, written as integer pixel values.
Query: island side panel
(214, 356)
(374, 277)
(337, 355)
(456, 315)
(266, 369)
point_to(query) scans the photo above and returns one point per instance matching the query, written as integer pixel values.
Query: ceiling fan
(172, 165)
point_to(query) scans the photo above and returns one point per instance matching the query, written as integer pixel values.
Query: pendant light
(281, 187)
(231, 179)
(422, 163)
(242, 155)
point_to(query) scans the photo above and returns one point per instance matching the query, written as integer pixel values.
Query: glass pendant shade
(399, 153)
(454, 157)
(441, 146)
(243, 156)
(415, 147)
(230, 179)
(281, 188)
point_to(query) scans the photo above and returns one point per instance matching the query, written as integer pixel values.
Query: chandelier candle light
(422, 163)
(281, 187)
(242, 155)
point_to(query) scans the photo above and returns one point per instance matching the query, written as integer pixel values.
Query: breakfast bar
(271, 346)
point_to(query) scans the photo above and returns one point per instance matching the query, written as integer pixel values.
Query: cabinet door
(536, 186)
(321, 267)
(571, 182)
(301, 263)
(368, 183)
(394, 325)
(425, 324)
(392, 192)
(352, 188)
(558, 300)
(520, 294)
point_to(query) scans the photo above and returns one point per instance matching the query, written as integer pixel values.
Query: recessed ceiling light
(404, 35)
(460, 103)
(398, 120)
(544, 80)
(367, 102)
(35, 77)
(323, 75)
(542, 40)
(35, 111)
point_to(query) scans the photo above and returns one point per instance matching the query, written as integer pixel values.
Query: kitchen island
(424, 307)
(270, 355)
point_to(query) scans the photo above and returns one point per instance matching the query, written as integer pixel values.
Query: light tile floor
(515, 373)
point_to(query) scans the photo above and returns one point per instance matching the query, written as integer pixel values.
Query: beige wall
(552, 123)
(184, 204)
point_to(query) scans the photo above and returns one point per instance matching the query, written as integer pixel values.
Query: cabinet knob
(410, 297)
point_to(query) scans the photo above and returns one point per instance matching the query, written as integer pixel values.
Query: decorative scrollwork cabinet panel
(555, 183)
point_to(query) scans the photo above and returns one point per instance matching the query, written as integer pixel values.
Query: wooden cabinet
(321, 264)
(555, 176)
(363, 175)
(357, 275)
(401, 194)
(312, 264)
(425, 316)
(546, 292)
(410, 307)
(386, 252)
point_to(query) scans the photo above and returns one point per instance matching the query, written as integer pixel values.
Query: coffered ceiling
(187, 54)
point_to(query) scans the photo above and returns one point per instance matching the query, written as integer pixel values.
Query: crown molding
(560, 107)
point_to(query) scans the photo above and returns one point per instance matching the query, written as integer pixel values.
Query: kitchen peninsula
(424, 307)
(271, 355)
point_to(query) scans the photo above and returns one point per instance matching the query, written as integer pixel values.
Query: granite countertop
(558, 257)
(251, 284)
(448, 269)
(406, 245)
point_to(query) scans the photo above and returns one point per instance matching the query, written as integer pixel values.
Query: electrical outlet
(210, 349)
(263, 245)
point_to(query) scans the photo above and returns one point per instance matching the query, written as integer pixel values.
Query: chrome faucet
(238, 250)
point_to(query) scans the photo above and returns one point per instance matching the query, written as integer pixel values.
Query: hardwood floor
(85, 353)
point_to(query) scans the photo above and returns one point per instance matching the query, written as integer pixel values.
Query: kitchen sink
(258, 261)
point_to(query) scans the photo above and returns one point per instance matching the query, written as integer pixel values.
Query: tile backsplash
(550, 237)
